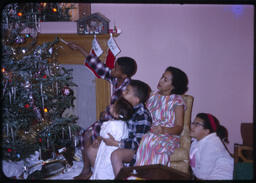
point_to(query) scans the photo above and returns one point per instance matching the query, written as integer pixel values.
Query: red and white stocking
(96, 51)
(113, 50)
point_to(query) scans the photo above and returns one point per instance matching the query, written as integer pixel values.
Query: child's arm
(100, 69)
(74, 46)
(141, 125)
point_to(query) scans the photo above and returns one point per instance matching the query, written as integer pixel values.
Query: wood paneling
(69, 56)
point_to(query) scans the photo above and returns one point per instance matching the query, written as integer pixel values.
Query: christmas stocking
(96, 51)
(112, 52)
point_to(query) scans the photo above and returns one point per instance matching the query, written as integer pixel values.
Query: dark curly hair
(179, 80)
(220, 130)
(124, 109)
(127, 65)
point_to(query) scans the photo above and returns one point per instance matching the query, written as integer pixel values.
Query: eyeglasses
(197, 124)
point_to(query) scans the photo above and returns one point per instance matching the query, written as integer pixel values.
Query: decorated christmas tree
(35, 91)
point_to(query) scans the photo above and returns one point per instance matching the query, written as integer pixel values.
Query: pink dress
(156, 149)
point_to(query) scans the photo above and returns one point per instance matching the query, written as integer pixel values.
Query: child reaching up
(119, 77)
(122, 111)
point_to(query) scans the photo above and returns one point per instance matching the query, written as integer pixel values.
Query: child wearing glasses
(209, 158)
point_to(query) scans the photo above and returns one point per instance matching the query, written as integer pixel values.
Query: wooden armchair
(243, 154)
(179, 160)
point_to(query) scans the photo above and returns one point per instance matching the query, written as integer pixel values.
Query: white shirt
(103, 168)
(210, 160)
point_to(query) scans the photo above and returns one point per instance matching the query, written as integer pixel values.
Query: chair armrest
(238, 149)
(179, 154)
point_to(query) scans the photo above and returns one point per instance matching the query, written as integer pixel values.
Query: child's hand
(73, 46)
(110, 141)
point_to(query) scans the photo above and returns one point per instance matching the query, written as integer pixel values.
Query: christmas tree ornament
(57, 88)
(50, 50)
(4, 89)
(7, 129)
(23, 50)
(13, 91)
(26, 106)
(13, 51)
(69, 132)
(20, 39)
(18, 156)
(45, 110)
(66, 91)
(27, 84)
(41, 88)
(12, 134)
(54, 10)
(10, 97)
(19, 14)
(38, 113)
(39, 51)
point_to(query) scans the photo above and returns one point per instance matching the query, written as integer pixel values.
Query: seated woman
(167, 109)
(209, 158)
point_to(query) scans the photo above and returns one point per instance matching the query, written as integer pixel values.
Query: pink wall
(213, 44)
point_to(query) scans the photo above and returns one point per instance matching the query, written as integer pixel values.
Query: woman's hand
(157, 130)
(110, 141)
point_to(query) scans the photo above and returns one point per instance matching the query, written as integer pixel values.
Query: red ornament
(26, 106)
(40, 139)
(9, 150)
(45, 76)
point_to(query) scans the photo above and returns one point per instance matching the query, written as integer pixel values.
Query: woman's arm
(179, 123)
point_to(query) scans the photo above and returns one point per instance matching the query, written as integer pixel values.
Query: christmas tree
(35, 90)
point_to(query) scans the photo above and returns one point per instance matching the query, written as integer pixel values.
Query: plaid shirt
(138, 125)
(104, 72)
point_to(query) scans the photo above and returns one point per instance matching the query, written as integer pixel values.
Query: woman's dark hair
(141, 90)
(179, 80)
(124, 109)
(127, 65)
(213, 124)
